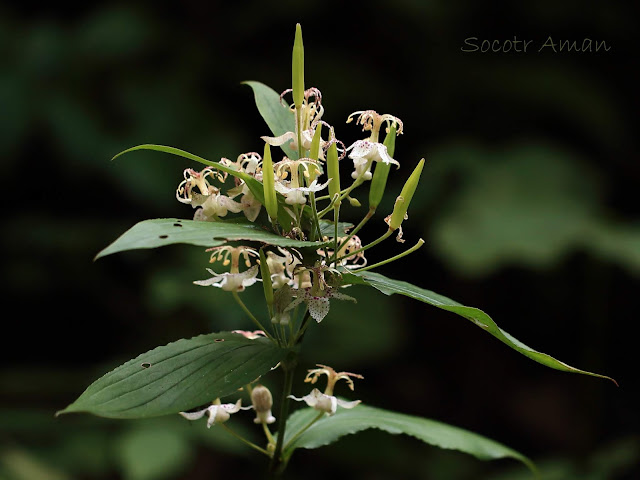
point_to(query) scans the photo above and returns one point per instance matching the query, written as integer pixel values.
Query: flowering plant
(277, 223)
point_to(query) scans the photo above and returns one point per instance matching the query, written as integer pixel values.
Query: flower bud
(314, 154)
(333, 171)
(268, 183)
(354, 202)
(380, 174)
(297, 68)
(402, 202)
(262, 403)
(266, 278)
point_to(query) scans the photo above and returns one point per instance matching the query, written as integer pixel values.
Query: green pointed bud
(381, 172)
(333, 171)
(314, 154)
(268, 183)
(402, 202)
(297, 68)
(354, 202)
(266, 278)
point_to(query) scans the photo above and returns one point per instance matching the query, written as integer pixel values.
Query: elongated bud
(267, 286)
(297, 68)
(333, 171)
(354, 202)
(269, 184)
(402, 202)
(314, 154)
(262, 403)
(380, 174)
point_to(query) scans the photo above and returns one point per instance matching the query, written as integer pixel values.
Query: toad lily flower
(217, 412)
(311, 111)
(318, 296)
(292, 189)
(327, 402)
(193, 179)
(214, 205)
(345, 257)
(233, 281)
(249, 163)
(365, 152)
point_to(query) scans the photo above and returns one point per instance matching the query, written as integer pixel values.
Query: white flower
(262, 402)
(364, 153)
(231, 282)
(311, 111)
(234, 280)
(217, 412)
(215, 205)
(295, 195)
(323, 402)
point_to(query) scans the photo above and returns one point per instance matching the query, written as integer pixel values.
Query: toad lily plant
(303, 258)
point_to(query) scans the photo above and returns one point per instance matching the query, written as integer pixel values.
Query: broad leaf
(277, 116)
(179, 376)
(345, 422)
(168, 231)
(389, 286)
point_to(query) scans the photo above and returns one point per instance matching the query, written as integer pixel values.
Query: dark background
(528, 206)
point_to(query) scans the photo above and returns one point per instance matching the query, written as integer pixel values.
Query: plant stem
(244, 440)
(277, 462)
(389, 260)
(251, 316)
(304, 429)
(366, 247)
(362, 223)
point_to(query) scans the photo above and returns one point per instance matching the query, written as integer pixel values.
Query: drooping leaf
(348, 421)
(389, 286)
(168, 231)
(179, 376)
(189, 156)
(254, 185)
(277, 116)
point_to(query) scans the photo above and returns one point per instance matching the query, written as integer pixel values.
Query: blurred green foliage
(529, 197)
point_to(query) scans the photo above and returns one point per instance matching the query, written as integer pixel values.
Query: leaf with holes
(348, 421)
(179, 376)
(168, 231)
(278, 117)
(389, 286)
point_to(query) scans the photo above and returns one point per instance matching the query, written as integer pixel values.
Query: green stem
(389, 260)
(344, 193)
(267, 433)
(251, 316)
(336, 217)
(362, 223)
(304, 429)
(244, 440)
(303, 328)
(277, 462)
(366, 247)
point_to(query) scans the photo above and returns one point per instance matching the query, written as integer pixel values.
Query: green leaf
(168, 231)
(389, 286)
(190, 156)
(348, 421)
(277, 116)
(254, 185)
(179, 376)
